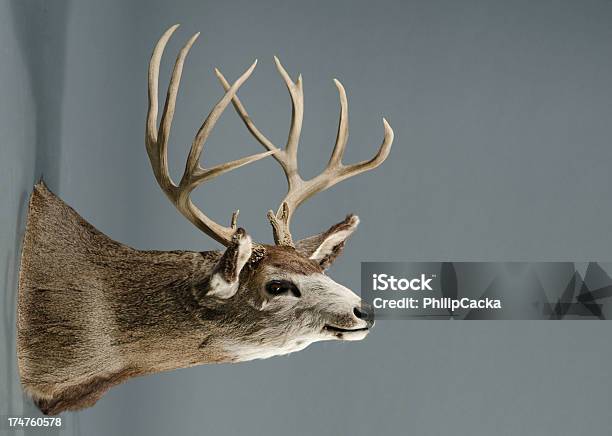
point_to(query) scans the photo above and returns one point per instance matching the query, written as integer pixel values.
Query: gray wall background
(502, 113)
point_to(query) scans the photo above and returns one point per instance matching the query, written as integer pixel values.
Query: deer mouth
(344, 333)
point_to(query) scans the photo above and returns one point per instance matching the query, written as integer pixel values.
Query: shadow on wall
(40, 28)
(10, 298)
(40, 31)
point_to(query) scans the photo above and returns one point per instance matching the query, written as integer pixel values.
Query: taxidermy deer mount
(93, 312)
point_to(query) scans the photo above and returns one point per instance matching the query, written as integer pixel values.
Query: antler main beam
(300, 190)
(156, 141)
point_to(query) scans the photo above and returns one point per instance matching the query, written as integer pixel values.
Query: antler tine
(335, 171)
(156, 150)
(157, 143)
(343, 132)
(296, 92)
(380, 156)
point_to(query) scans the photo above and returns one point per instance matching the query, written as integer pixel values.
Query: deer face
(285, 301)
(312, 306)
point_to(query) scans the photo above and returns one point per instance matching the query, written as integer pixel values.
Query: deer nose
(365, 312)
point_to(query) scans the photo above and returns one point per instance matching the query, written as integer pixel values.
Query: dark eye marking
(282, 287)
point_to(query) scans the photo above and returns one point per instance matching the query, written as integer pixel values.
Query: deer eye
(282, 287)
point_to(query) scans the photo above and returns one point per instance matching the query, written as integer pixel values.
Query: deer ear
(224, 280)
(325, 247)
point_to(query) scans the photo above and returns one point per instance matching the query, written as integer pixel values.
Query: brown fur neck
(111, 311)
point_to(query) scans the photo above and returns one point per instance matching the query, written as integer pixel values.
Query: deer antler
(157, 143)
(300, 190)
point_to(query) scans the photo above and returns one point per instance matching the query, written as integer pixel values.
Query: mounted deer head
(93, 312)
(286, 279)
